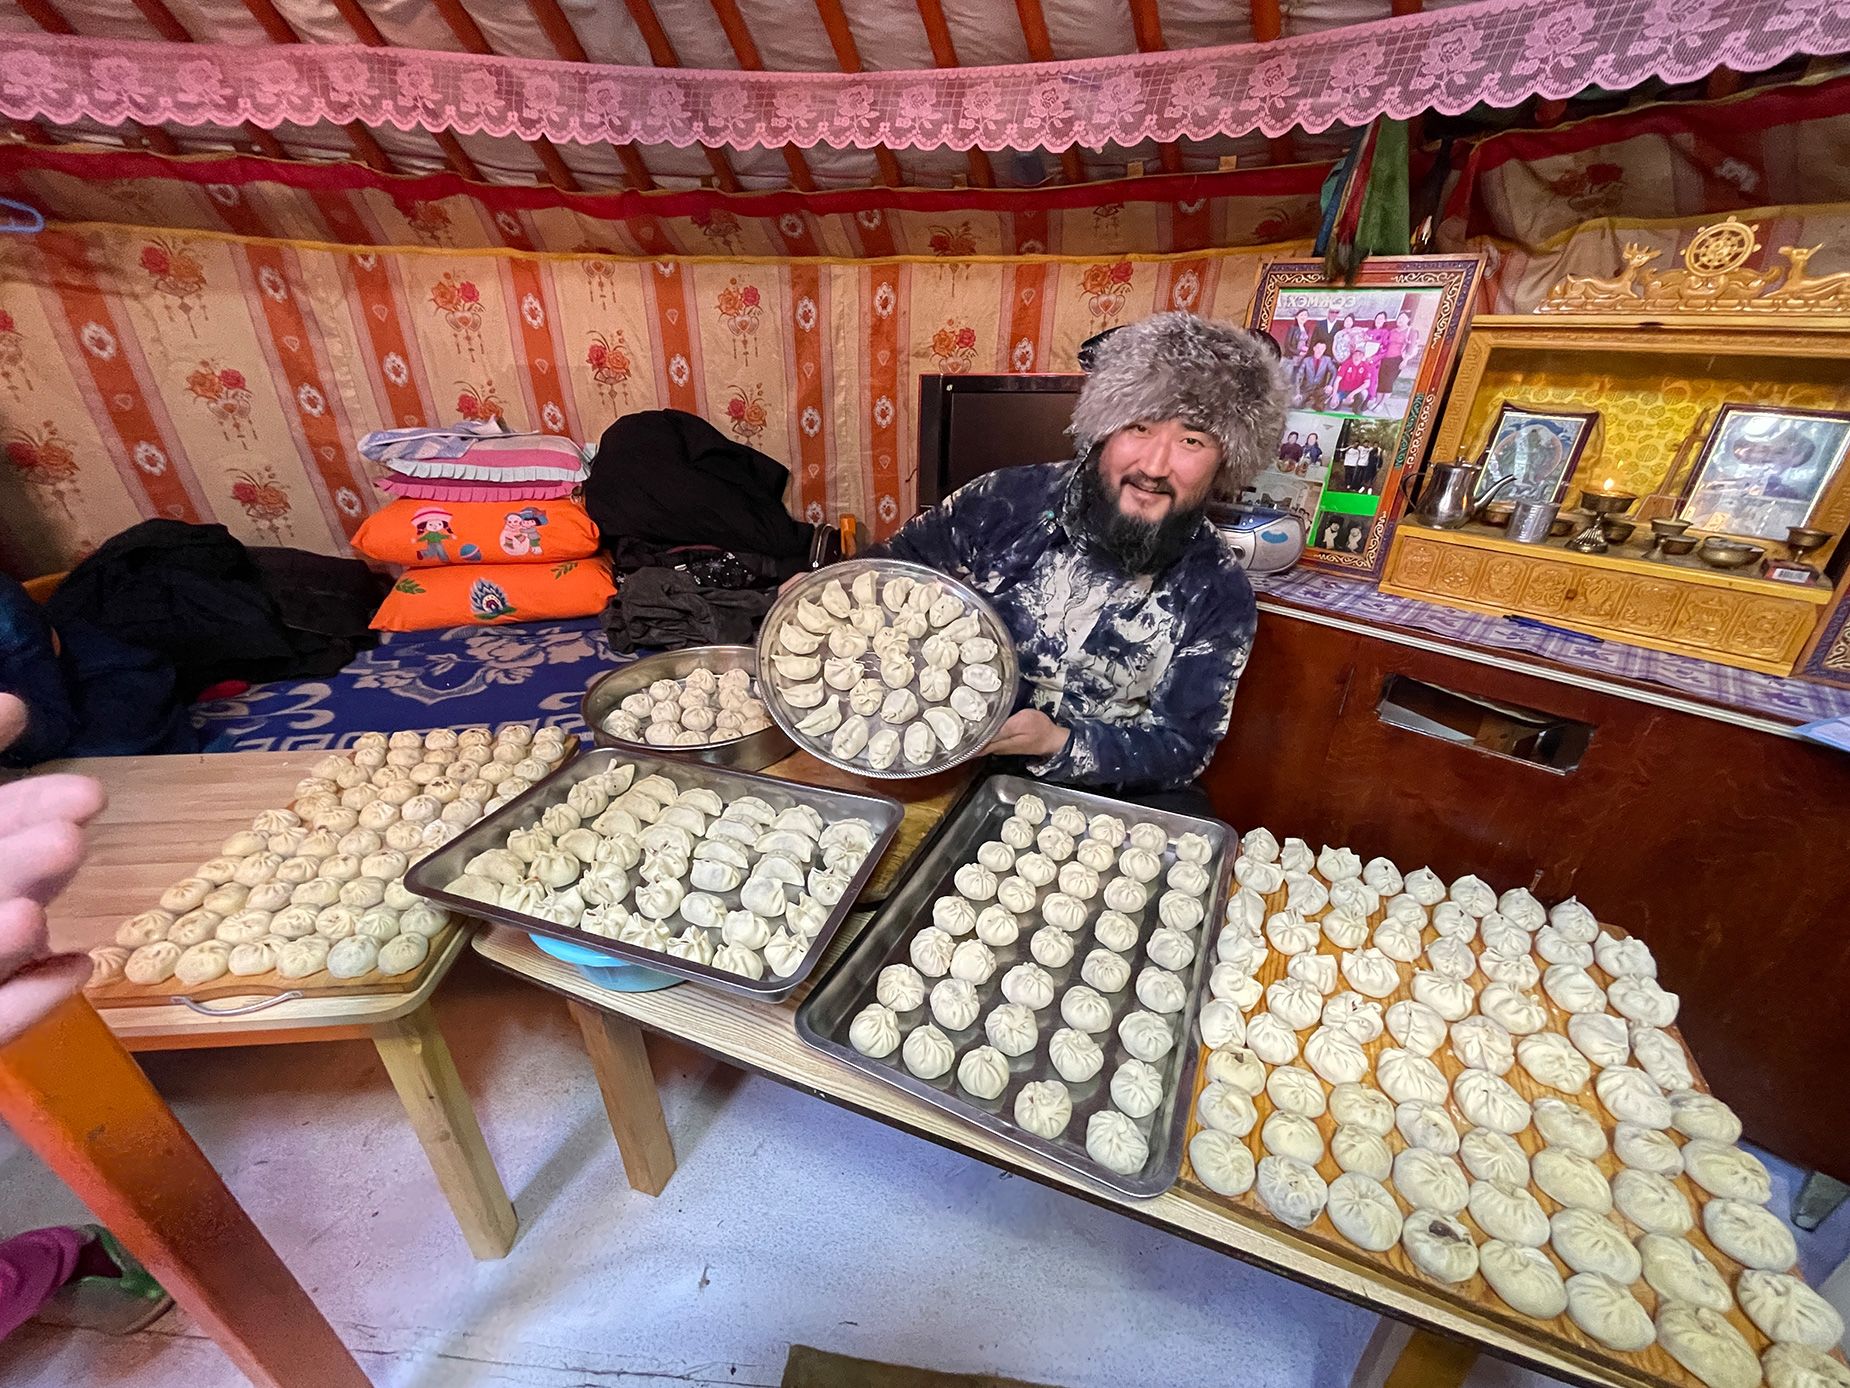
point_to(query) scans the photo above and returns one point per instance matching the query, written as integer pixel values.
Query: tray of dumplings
(722, 877)
(1485, 1096)
(311, 898)
(1036, 975)
(886, 668)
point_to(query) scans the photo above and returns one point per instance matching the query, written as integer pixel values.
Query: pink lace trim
(1497, 51)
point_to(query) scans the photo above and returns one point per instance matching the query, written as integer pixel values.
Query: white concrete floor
(789, 1221)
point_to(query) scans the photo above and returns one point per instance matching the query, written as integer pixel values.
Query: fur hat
(1211, 376)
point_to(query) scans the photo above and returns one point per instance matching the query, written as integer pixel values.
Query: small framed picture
(1765, 470)
(1539, 448)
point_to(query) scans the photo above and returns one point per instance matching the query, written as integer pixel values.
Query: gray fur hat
(1211, 376)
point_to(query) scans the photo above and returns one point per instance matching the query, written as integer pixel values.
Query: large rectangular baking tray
(822, 1020)
(427, 876)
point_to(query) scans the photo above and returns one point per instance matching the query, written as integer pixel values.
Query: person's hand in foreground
(41, 846)
(1028, 733)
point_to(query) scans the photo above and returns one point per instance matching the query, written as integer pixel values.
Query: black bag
(668, 478)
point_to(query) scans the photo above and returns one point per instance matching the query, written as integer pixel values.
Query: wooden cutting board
(1650, 1366)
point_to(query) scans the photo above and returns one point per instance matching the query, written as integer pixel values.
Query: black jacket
(670, 478)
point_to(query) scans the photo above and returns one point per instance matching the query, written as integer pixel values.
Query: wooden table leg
(621, 1064)
(77, 1099)
(1398, 1356)
(419, 1063)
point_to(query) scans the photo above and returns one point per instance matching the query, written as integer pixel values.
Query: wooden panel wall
(1724, 848)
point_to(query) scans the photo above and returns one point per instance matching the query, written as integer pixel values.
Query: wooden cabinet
(1722, 846)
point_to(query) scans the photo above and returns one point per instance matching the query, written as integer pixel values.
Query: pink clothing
(33, 1266)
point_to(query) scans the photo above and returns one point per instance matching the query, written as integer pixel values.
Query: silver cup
(1530, 520)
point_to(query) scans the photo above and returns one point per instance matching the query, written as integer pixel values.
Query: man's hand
(1029, 733)
(41, 845)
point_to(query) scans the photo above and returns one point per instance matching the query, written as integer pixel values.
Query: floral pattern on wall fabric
(228, 379)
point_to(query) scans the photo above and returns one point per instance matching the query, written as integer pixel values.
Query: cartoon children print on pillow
(520, 534)
(435, 530)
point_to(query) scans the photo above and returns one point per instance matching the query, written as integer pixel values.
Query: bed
(451, 678)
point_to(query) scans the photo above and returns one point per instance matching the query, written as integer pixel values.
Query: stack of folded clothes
(487, 525)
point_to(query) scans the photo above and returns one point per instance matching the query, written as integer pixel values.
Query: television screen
(970, 425)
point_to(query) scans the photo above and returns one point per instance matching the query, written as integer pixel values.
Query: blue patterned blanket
(453, 678)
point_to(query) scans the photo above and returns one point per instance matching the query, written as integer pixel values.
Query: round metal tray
(976, 736)
(753, 752)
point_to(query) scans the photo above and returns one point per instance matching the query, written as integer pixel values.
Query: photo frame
(1764, 469)
(1366, 362)
(1541, 447)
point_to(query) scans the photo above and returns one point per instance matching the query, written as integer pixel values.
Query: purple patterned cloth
(1785, 700)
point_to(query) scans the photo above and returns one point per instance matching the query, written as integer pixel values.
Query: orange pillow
(427, 533)
(492, 595)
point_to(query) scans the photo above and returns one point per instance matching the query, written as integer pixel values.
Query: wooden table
(167, 815)
(1426, 1342)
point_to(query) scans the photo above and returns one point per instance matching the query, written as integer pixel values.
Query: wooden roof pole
(1269, 24)
(469, 34)
(564, 39)
(368, 33)
(1147, 27)
(44, 14)
(745, 49)
(848, 59)
(1040, 49)
(944, 54)
(662, 54)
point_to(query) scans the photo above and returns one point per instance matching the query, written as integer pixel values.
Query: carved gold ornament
(1715, 277)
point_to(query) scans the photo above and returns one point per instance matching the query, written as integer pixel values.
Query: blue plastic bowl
(604, 971)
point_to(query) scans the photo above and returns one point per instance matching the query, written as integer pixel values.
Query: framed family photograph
(1764, 470)
(1365, 365)
(1539, 448)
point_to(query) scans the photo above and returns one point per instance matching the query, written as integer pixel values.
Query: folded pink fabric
(463, 489)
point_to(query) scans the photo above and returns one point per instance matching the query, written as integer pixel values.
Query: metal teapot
(1448, 498)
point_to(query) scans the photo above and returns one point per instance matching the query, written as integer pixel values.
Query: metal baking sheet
(976, 737)
(824, 1017)
(428, 876)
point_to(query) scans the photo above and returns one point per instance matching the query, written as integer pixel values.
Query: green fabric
(1386, 226)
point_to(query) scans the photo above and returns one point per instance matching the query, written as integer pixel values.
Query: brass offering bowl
(1569, 521)
(1718, 553)
(1666, 529)
(1677, 544)
(1498, 513)
(1616, 529)
(1601, 505)
(1802, 540)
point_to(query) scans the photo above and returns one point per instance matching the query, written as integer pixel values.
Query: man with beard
(1130, 614)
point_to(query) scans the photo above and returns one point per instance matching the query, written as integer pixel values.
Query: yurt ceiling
(842, 36)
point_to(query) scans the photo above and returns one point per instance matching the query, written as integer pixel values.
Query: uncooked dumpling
(1590, 1242)
(1648, 1149)
(1703, 1115)
(1490, 1101)
(954, 1004)
(1137, 1088)
(1570, 1126)
(1509, 1213)
(1335, 1054)
(1750, 1234)
(1010, 1028)
(1426, 1126)
(1491, 1156)
(1520, 1013)
(203, 962)
(1601, 1038)
(1416, 1026)
(403, 953)
(1570, 1179)
(1292, 1190)
(1356, 1105)
(1662, 1057)
(874, 1031)
(1043, 1107)
(1625, 956)
(1608, 1312)
(1271, 1040)
(1526, 1278)
(1407, 1077)
(1632, 1096)
(1075, 1055)
(1674, 1267)
(1439, 1246)
(353, 956)
(928, 1052)
(1800, 1366)
(1703, 1342)
(1643, 1000)
(1372, 973)
(1430, 1180)
(1424, 886)
(1786, 1309)
(920, 744)
(1652, 1202)
(1552, 1060)
(1114, 1142)
(1221, 1163)
(983, 1072)
(1364, 1212)
(1236, 1066)
(1359, 1016)
(1452, 999)
(1087, 1009)
(1146, 1036)
(1357, 1149)
(1483, 1044)
(151, 963)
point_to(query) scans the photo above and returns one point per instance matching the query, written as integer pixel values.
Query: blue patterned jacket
(1141, 670)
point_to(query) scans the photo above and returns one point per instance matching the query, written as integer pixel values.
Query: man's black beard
(1142, 547)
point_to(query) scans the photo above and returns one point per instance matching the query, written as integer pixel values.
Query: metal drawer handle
(243, 1011)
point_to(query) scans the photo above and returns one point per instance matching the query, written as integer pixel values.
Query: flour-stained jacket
(1141, 669)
